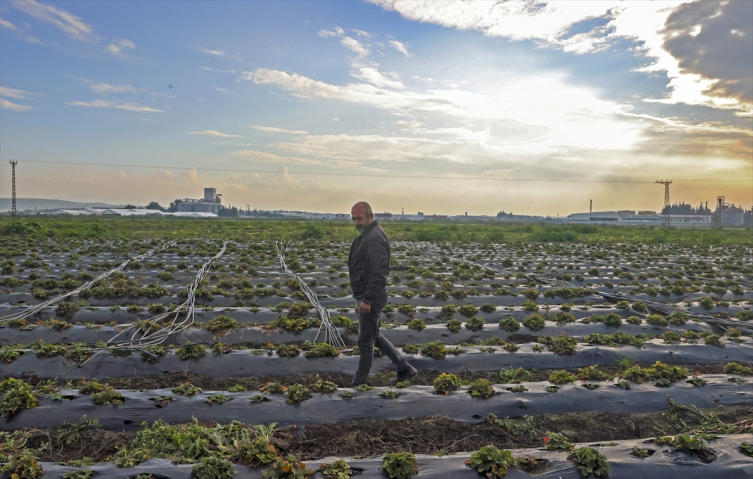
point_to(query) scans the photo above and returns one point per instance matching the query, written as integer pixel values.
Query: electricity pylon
(667, 207)
(13, 176)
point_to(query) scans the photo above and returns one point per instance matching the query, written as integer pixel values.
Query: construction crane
(667, 206)
(13, 176)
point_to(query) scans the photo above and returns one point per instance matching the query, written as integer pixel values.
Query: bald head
(362, 215)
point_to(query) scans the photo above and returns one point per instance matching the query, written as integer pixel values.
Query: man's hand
(364, 308)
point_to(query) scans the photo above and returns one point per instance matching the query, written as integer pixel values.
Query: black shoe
(404, 374)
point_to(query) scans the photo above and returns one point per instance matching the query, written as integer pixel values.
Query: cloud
(283, 172)
(213, 133)
(401, 47)
(361, 33)
(326, 33)
(113, 104)
(551, 24)
(541, 112)
(6, 24)
(262, 156)
(218, 52)
(62, 19)
(711, 38)
(9, 105)
(375, 77)
(118, 47)
(105, 89)
(355, 46)
(15, 94)
(272, 129)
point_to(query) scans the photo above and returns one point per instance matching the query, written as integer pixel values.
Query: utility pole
(667, 206)
(13, 176)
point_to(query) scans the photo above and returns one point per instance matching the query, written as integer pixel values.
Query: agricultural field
(542, 352)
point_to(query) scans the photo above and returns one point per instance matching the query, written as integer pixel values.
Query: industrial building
(732, 215)
(211, 203)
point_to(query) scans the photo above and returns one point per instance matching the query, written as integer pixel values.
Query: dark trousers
(368, 337)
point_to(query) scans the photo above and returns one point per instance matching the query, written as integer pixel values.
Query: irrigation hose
(88, 285)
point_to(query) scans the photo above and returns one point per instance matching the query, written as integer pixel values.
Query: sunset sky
(444, 107)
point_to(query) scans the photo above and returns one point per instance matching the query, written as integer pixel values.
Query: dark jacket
(369, 265)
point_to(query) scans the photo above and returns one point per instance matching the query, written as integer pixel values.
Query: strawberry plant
(222, 324)
(389, 394)
(186, 389)
(590, 462)
(481, 388)
(640, 307)
(152, 354)
(556, 442)
(23, 466)
(491, 461)
(416, 325)
(453, 325)
(335, 470)
(287, 468)
(488, 308)
(212, 468)
(363, 388)
(347, 394)
(16, 395)
(434, 349)
(297, 393)
(656, 320)
(561, 377)
(79, 474)
(324, 386)
(218, 399)
(592, 373)
(191, 351)
(288, 351)
(400, 465)
(735, 368)
(256, 453)
(530, 306)
(108, 396)
(509, 324)
(468, 310)
(321, 350)
(446, 383)
(534, 322)
(475, 324)
(747, 449)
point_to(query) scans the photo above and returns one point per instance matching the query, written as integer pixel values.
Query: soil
(433, 435)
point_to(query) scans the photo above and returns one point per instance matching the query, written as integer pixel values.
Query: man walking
(369, 266)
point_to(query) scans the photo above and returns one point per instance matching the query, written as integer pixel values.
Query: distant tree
(174, 206)
(130, 207)
(153, 205)
(229, 212)
(685, 209)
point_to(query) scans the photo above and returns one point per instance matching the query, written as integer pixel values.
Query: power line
(369, 174)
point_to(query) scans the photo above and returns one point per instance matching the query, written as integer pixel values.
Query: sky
(444, 107)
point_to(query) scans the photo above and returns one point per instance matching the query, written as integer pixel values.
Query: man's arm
(377, 254)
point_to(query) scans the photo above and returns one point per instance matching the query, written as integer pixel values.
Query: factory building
(732, 215)
(211, 203)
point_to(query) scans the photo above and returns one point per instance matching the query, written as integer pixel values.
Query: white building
(211, 203)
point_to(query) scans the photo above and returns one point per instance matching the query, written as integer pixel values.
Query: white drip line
(148, 338)
(331, 334)
(88, 285)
